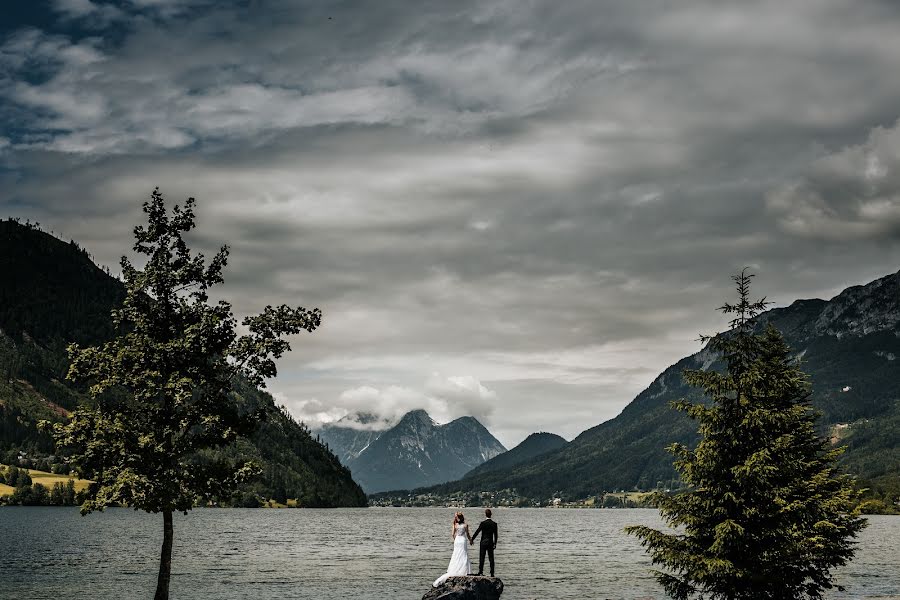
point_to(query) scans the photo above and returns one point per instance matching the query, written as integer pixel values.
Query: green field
(47, 480)
(631, 496)
(636, 497)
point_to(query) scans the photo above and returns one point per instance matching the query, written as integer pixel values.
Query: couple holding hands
(459, 561)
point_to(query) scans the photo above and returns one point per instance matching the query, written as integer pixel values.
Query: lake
(374, 553)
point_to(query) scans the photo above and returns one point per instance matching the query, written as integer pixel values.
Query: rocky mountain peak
(862, 309)
(417, 418)
(416, 451)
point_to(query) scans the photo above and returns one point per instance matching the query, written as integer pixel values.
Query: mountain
(415, 452)
(533, 446)
(348, 437)
(51, 294)
(849, 346)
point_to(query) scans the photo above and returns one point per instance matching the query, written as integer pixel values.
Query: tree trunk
(165, 559)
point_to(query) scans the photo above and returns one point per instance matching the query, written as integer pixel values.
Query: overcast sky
(518, 210)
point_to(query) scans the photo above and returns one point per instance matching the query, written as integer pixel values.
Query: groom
(488, 531)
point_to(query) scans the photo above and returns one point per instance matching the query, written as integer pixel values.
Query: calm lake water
(374, 553)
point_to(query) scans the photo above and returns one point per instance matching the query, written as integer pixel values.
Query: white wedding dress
(459, 562)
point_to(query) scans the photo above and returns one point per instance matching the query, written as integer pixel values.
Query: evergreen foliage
(766, 515)
(69, 297)
(163, 386)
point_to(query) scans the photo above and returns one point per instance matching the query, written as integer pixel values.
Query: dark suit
(488, 531)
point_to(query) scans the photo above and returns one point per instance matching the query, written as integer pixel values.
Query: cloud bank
(541, 199)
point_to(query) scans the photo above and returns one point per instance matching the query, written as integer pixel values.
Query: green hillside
(534, 445)
(51, 294)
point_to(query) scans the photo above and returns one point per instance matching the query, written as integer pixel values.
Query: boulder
(470, 587)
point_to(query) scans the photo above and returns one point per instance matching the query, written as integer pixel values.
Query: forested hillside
(531, 447)
(52, 294)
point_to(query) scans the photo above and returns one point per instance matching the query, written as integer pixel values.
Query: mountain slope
(51, 290)
(849, 346)
(51, 294)
(418, 452)
(347, 440)
(534, 445)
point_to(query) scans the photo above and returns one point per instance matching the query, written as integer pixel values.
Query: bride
(459, 562)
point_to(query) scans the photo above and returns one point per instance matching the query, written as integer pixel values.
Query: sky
(519, 210)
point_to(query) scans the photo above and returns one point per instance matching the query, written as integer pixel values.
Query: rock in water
(467, 588)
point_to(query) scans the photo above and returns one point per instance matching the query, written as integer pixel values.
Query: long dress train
(459, 561)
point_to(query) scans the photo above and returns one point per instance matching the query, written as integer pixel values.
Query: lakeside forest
(163, 410)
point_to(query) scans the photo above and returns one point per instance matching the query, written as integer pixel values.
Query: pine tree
(163, 388)
(766, 515)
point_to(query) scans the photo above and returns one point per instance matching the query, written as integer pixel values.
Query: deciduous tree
(162, 388)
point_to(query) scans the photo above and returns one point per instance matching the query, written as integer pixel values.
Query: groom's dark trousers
(488, 531)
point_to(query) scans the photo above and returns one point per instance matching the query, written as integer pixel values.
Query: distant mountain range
(52, 294)
(413, 453)
(850, 347)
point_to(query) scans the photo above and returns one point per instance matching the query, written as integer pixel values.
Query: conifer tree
(766, 516)
(163, 388)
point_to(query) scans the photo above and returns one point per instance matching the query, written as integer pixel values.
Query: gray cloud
(850, 195)
(445, 398)
(97, 14)
(545, 199)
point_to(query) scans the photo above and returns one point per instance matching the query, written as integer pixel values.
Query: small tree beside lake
(767, 515)
(163, 389)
